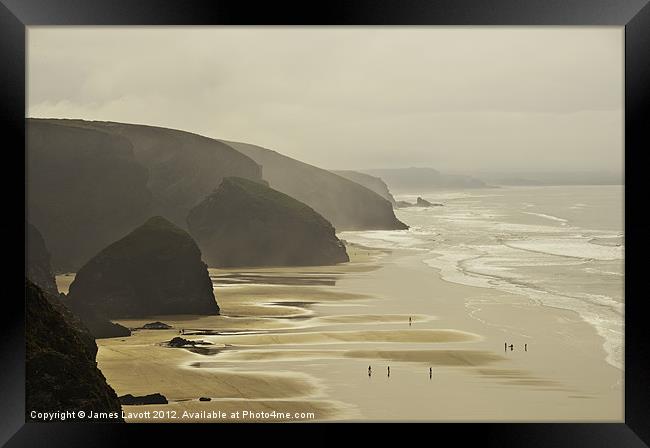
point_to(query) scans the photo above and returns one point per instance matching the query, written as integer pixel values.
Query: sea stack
(154, 270)
(246, 223)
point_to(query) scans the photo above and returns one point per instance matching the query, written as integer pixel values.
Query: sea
(560, 246)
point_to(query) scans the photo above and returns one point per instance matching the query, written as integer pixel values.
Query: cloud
(492, 98)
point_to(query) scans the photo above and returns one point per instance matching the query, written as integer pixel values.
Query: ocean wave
(603, 313)
(569, 247)
(551, 217)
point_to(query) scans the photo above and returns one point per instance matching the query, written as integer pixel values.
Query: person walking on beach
(525, 347)
(512, 347)
(369, 370)
(409, 321)
(430, 372)
(505, 346)
(388, 371)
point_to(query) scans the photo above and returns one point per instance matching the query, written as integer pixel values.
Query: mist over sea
(559, 246)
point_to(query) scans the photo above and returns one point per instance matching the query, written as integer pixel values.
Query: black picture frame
(634, 15)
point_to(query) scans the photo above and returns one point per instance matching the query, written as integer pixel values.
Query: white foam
(551, 217)
(569, 247)
(604, 313)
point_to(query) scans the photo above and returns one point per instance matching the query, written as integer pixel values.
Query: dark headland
(246, 223)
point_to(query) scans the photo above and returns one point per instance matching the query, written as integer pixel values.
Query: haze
(456, 99)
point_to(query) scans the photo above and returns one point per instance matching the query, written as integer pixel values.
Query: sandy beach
(295, 344)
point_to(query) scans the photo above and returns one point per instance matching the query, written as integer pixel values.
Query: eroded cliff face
(346, 204)
(84, 190)
(37, 261)
(61, 371)
(89, 183)
(373, 183)
(183, 167)
(246, 223)
(39, 271)
(154, 270)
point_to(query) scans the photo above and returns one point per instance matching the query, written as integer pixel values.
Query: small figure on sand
(505, 346)
(430, 372)
(525, 347)
(512, 347)
(182, 330)
(369, 370)
(389, 371)
(409, 321)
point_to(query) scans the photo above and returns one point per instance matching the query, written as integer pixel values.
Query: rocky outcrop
(37, 261)
(90, 182)
(178, 342)
(418, 203)
(245, 223)
(154, 270)
(156, 398)
(373, 183)
(346, 204)
(61, 371)
(39, 271)
(99, 326)
(156, 326)
(424, 203)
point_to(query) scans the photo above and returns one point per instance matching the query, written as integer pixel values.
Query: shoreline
(378, 290)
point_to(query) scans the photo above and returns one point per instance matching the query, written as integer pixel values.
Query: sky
(460, 99)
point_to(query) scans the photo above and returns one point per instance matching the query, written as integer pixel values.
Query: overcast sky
(457, 99)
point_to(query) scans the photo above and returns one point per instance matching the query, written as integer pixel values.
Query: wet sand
(288, 342)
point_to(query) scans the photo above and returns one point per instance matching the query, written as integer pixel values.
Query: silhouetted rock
(39, 271)
(100, 327)
(156, 326)
(37, 261)
(154, 270)
(178, 342)
(205, 399)
(418, 203)
(156, 398)
(245, 223)
(346, 204)
(61, 371)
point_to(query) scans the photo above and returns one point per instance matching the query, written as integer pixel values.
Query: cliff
(84, 189)
(37, 261)
(373, 183)
(246, 223)
(61, 371)
(90, 182)
(346, 204)
(424, 179)
(154, 270)
(39, 271)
